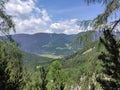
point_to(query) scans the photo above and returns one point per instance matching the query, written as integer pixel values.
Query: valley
(59, 45)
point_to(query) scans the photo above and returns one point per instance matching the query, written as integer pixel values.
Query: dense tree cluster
(111, 61)
(11, 76)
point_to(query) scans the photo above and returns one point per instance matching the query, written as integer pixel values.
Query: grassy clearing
(51, 56)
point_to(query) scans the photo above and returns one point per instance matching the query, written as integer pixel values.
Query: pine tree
(111, 62)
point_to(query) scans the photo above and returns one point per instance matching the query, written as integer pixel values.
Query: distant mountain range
(44, 43)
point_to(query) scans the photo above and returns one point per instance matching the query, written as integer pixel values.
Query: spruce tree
(110, 62)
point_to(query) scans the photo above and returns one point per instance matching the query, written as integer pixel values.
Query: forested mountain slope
(55, 44)
(83, 67)
(58, 44)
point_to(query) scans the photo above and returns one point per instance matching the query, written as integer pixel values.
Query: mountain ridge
(45, 43)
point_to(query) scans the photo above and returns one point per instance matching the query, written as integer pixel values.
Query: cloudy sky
(50, 16)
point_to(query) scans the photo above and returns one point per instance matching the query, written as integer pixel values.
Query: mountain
(83, 67)
(54, 44)
(44, 43)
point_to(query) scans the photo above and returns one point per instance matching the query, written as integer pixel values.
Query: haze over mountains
(44, 43)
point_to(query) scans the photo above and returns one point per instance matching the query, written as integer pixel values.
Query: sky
(51, 16)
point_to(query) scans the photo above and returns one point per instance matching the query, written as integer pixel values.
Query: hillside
(32, 60)
(44, 43)
(53, 44)
(83, 67)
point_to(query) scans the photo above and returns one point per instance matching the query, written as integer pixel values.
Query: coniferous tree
(111, 62)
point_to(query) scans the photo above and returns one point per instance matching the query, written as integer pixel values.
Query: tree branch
(116, 22)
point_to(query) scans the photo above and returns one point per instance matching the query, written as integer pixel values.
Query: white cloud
(45, 16)
(67, 27)
(17, 7)
(27, 16)
(30, 19)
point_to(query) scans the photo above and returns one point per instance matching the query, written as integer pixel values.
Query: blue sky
(68, 9)
(51, 16)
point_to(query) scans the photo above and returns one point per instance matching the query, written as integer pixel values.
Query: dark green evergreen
(111, 62)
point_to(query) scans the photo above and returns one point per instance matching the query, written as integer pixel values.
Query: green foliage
(36, 80)
(112, 6)
(111, 63)
(3, 66)
(11, 76)
(111, 68)
(101, 21)
(6, 22)
(84, 39)
(43, 81)
(30, 61)
(83, 67)
(56, 77)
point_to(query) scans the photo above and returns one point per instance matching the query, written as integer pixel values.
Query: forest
(95, 66)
